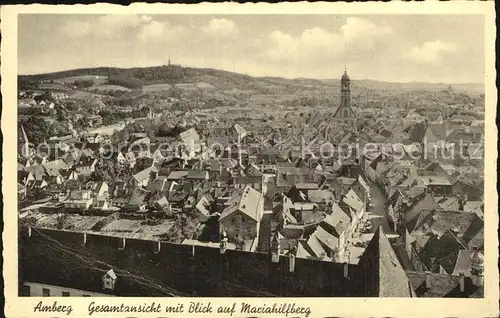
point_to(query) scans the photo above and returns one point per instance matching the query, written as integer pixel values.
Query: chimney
(346, 265)
(239, 151)
(346, 270)
(428, 282)
(291, 263)
(462, 282)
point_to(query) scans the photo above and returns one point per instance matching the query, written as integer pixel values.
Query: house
(287, 177)
(362, 190)
(80, 200)
(328, 242)
(36, 172)
(339, 185)
(242, 215)
(462, 188)
(321, 196)
(440, 285)
(157, 200)
(86, 165)
(437, 185)
(440, 169)
(197, 175)
(237, 133)
(191, 140)
(426, 132)
(109, 280)
(353, 203)
(338, 224)
(241, 182)
(100, 189)
(142, 177)
(158, 184)
(136, 203)
(421, 202)
(172, 164)
(203, 207)
(56, 166)
(21, 191)
(68, 175)
(37, 184)
(177, 175)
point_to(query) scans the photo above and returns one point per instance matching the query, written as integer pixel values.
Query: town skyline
(396, 48)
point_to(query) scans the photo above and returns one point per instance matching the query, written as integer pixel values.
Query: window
(65, 294)
(46, 292)
(25, 290)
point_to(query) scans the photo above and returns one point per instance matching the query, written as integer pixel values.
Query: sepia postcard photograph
(274, 160)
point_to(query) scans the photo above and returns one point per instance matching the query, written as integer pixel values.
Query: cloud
(356, 28)
(118, 26)
(431, 52)
(355, 35)
(105, 26)
(161, 31)
(220, 27)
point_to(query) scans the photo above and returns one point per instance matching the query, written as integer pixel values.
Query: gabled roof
(318, 196)
(363, 183)
(38, 171)
(177, 174)
(326, 239)
(247, 202)
(111, 273)
(441, 221)
(439, 130)
(417, 132)
(195, 174)
(338, 219)
(302, 252)
(315, 246)
(353, 201)
(189, 136)
(384, 275)
(144, 174)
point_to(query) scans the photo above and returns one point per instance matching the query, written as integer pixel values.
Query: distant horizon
(391, 48)
(255, 76)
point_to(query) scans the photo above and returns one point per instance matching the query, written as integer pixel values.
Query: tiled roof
(177, 174)
(442, 285)
(328, 240)
(439, 130)
(144, 174)
(441, 221)
(353, 201)
(248, 202)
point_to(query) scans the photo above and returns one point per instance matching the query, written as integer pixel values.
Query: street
(378, 214)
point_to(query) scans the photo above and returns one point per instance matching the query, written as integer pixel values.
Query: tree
(83, 83)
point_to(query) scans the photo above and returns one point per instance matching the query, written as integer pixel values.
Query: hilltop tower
(345, 114)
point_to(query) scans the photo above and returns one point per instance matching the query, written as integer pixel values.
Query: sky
(394, 48)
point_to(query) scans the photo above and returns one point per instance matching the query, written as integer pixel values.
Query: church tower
(345, 115)
(345, 91)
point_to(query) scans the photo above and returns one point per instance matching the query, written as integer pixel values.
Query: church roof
(387, 276)
(346, 77)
